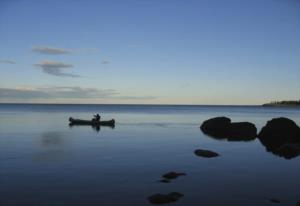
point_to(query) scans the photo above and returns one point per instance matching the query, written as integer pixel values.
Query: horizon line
(26, 103)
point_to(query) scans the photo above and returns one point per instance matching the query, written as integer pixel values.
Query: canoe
(91, 122)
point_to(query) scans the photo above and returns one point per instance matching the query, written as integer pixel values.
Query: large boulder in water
(281, 136)
(280, 128)
(223, 128)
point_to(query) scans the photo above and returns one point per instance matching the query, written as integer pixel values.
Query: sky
(233, 52)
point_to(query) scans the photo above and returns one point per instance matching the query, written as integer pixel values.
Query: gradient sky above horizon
(149, 52)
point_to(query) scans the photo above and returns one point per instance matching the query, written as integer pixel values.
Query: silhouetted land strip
(283, 103)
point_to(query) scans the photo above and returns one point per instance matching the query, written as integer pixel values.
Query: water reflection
(96, 128)
(282, 148)
(52, 139)
(231, 138)
(52, 147)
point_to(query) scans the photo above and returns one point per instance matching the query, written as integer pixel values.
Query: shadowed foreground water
(47, 163)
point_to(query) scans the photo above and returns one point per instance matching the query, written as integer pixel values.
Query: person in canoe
(97, 118)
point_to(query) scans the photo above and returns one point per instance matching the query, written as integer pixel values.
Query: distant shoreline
(283, 104)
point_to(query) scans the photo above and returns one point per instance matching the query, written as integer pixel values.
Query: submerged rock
(273, 200)
(223, 128)
(164, 199)
(173, 175)
(165, 181)
(206, 153)
(281, 136)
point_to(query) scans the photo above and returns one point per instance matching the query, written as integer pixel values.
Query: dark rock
(164, 199)
(281, 136)
(216, 126)
(281, 128)
(242, 131)
(222, 128)
(206, 153)
(298, 203)
(165, 181)
(173, 175)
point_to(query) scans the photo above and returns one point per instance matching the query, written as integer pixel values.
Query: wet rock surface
(165, 198)
(223, 128)
(206, 153)
(173, 175)
(168, 177)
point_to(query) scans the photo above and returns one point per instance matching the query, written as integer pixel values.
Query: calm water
(44, 162)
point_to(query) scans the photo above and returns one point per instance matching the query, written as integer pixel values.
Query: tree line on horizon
(286, 102)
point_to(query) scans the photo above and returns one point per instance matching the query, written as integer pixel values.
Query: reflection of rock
(281, 136)
(173, 175)
(164, 199)
(206, 153)
(52, 145)
(97, 128)
(52, 139)
(222, 128)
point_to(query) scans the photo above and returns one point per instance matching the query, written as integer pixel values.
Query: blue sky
(149, 51)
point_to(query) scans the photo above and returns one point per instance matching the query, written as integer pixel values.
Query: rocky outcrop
(281, 136)
(223, 128)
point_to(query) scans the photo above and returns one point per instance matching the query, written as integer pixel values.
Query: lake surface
(44, 162)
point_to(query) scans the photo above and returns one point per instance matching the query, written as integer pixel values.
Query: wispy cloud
(52, 93)
(136, 97)
(51, 50)
(55, 92)
(57, 51)
(7, 62)
(55, 68)
(105, 62)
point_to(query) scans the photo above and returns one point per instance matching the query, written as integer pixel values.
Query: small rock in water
(164, 199)
(173, 175)
(165, 180)
(206, 153)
